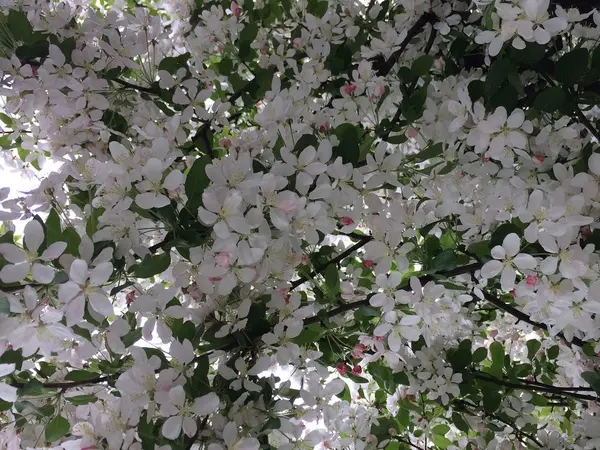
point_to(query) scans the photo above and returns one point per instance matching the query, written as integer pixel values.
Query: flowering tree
(297, 224)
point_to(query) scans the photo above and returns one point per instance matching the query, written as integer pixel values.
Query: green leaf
(421, 65)
(247, 37)
(57, 428)
(173, 63)
(53, 228)
(349, 146)
(317, 7)
(196, 181)
(480, 249)
(332, 279)
(441, 441)
(152, 265)
(497, 351)
(491, 400)
(480, 355)
(431, 151)
(80, 375)
(498, 75)
(444, 261)
(593, 379)
(550, 99)
(19, 26)
(533, 345)
(72, 238)
(572, 66)
(82, 399)
(552, 352)
(305, 141)
(460, 422)
(441, 429)
(4, 306)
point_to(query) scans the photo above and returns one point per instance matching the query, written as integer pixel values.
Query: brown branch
(129, 85)
(383, 67)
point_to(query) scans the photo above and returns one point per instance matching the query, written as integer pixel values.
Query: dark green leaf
(550, 100)
(491, 400)
(430, 152)
(82, 399)
(196, 181)
(572, 66)
(80, 375)
(533, 345)
(422, 64)
(152, 265)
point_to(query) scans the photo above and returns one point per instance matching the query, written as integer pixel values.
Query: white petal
(173, 180)
(171, 429)
(491, 268)
(12, 253)
(101, 304)
(498, 252)
(206, 404)
(68, 291)
(248, 444)
(594, 163)
(101, 274)
(189, 426)
(6, 369)
(230, 433)
(79, 271)
(42, 274)
(507, 279)
(524, 261)
(74, 310)
(9, 393)
(12, 273)
(511, 244)
(548, 266)
(54, 251)
(34, 236)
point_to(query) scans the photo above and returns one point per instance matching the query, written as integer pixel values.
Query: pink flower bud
(356, 370)
(130, 297)
(485, 159)
(531, 280)
(323, 128)
(235, 9)
(493, 333)
(213, 279)
(297, 42)
(539, 157)
(513, 293)
(411, 133)
(379, 91)
(439, 64)
(347, 220)
(368, 263)
(342, 368)
(225, 143)
(349, 88)
(379, 338)
(480, 427)
(305, 259)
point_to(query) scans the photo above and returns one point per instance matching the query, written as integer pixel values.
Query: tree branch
(70, 384)
(383, 67)
(528, 387)
(129, 85)
(363, 241)
(525, 318)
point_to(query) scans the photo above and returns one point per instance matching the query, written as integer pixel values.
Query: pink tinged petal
(148, 328)
(12, 273)
(171, 429)
(8, 393)
(42, 274)
(79, 271)
(189, 426)
(101, 274)
(491, 268)
(54, 251)
(101, 304)
(507, 279)
(207, 404)
(74, 310)
(34, 236)
(511, 244)
(12, 253)
(525, 262)
(177, 396)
